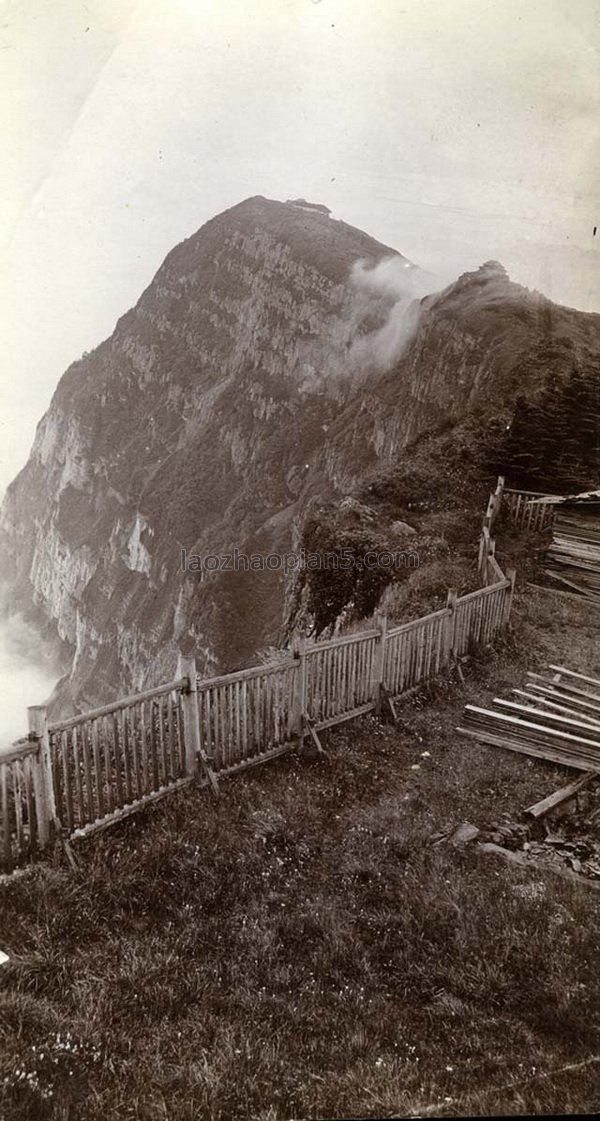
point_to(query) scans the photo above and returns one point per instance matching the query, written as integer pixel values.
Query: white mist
(25, 678)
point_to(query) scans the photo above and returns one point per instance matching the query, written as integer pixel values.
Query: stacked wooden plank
(573, 557)
(555, 717)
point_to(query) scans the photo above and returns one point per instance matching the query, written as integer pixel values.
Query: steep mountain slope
(247, 380)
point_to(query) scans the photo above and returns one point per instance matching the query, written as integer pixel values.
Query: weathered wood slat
(132, 715)
(244, 704)
(56, 776)
(586, 596)
(540, 809)
(7, 861)
(125, 749)
(205, 697)
(221, 708)
(231, 707)
(144, 747)
(28, 764)
(332, 721)
(240, 675)
(153, 744)
(18, 807)
(442, 613)
(578, 761)
(108, 764)
(482, 593)
(87, 772)
(118, 757)
(560, 721)
(75, 735)
(97, 769)
(579, 676)
(552, 692)
(123, 702)
(99, 824)
(566, 687)
(66, 770)
(542, 702)
(19, 751)
(238, 720)
(257, 760)
(341, 640)
(180, 733)
(560, 724)
(166, 776)
(529, 726)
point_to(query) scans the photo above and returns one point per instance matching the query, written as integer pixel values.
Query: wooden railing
(81, 774)
(247, 717)
(417, 651)
(116, 756)
(488, 567)
(24, 824)
(481, 615)
(339, 678)
(523, 510)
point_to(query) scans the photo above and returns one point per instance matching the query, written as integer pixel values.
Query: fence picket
(18, 804)
(30, 803)
(66, 770)
(118, 757)
(108, 768)
(97, 770)
(6, 825)
(165, 776)
(153, 754)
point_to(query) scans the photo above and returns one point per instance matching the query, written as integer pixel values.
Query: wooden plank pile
(555, 717)
(573, 557)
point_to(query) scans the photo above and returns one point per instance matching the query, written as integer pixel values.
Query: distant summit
(302, 204)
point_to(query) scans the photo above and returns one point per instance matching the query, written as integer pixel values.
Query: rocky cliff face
(238, 388)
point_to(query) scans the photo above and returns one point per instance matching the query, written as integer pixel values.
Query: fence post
(191, 718)
(487, 577)
(43, 784)
(484, 548)
(451, 623)
(194, 752)
(378, 671)
(298, 709)
(511, 574)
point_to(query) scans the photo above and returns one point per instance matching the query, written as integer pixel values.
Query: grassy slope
(303, 948)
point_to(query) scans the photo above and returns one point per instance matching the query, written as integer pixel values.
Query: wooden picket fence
(523, 510)
(79, 775)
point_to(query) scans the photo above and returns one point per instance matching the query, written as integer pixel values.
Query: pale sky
(454, 130)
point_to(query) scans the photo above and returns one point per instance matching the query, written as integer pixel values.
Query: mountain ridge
(177, 431)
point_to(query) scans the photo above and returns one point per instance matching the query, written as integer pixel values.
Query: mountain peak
(493, 268)
(243, 385)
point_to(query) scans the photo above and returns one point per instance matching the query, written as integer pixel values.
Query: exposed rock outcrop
(222, 404)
